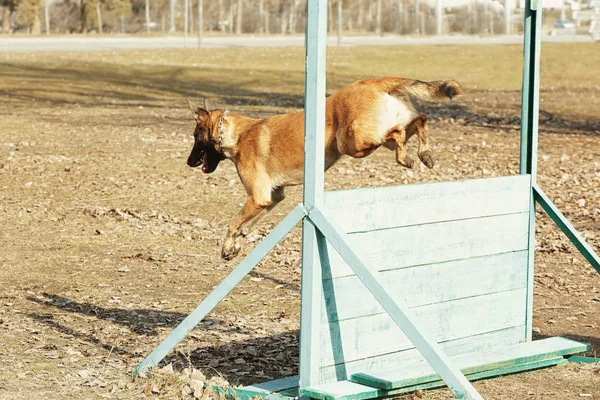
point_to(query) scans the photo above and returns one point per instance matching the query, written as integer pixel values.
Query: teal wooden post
(222, 289)
(428, 347)
(529, 131)
(314, 160)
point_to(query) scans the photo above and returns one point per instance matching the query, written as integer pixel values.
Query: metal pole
(508, 16)
(47, 16)
(314, 161)
(439, 16)
(200, 22)
(148, 16)
(186, 8)
(172, 16)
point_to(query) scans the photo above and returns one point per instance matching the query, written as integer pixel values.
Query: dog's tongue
(209, 164)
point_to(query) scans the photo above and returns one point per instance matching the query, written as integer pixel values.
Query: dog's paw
(230, 249)
(427, 158)
(407, 162)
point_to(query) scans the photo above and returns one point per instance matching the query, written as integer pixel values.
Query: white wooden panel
(347, 297)
(399, 359)
(370, 209)
(359, 338)
(435, 243)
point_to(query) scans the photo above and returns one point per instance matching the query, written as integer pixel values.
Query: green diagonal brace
(563, 223)
(223, 289)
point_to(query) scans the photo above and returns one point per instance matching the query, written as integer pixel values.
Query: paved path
(91, 43)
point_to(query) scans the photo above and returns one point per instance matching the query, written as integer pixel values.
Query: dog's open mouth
(209, 160)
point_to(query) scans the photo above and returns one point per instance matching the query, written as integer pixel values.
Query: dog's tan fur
(269, 153)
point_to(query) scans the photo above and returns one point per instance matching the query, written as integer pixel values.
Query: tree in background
(121, 9)
(8, 6)
(29, 15)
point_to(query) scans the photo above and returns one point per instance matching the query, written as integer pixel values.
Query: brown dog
(269, 153)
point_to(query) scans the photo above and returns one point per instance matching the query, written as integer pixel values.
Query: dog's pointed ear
(198, 112)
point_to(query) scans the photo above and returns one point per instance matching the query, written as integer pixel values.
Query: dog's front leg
(231, 246)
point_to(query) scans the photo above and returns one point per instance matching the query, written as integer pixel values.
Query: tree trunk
(339, 23)
(148, 16)
(240, 11)
(5, 19)
(378, 16)
(283, 20)
(369, 16)
(122, 24)
(267, 14)
(230, 19)
(36, 28)
(329, 16)
(220, 26)
(360, 18)
(99, 15)
(191, 11)
(186, 20)
(417, 17)
(47, 16)
(200, 22)
(261, 16)
(293, 11)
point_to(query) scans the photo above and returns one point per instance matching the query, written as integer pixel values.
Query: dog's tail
(424, 90)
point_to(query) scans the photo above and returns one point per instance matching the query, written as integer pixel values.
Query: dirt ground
(108, 239)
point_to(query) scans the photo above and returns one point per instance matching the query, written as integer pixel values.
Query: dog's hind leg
(419, 127)
(396, 140)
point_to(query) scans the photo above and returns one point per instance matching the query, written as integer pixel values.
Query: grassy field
(108, 239)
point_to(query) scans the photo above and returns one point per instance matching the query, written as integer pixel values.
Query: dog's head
(204, 153)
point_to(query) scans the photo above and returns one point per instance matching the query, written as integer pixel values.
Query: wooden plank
(435, 243)
(472, 363)
(368, 209)
(344, 391)
(399, 312)
(378, 334)
(346, 297)
(226, 285)
(275, 386)
(484, 341)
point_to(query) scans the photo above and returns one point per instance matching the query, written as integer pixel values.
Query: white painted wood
(504, 337)
(314, 161)
(370, 209)
(378, 334)
(314, 103)
(347, 297)
(399, 312)
(310, 311)
(436, 242)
